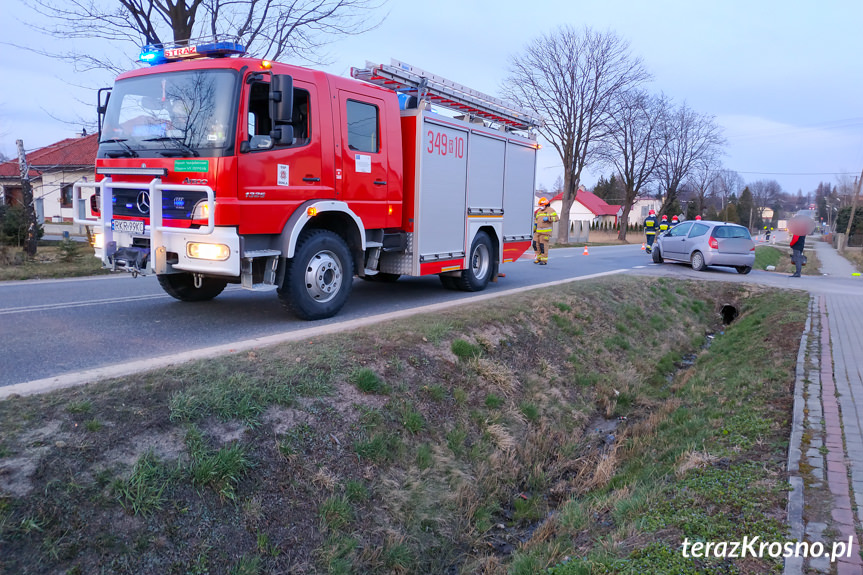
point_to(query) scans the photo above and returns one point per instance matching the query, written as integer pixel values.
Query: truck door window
(260, 123)
(363, 128)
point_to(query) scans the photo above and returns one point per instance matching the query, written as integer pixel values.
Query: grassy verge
(53, 260)
(855, 256)
(780, 258)
(584, 429)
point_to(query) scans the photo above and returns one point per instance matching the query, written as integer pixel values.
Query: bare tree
(765, 193)
(690, 138)
(268, 28)
(700, 180)
(726, 184)
(29, 203)
(571, 77)
(634, 143)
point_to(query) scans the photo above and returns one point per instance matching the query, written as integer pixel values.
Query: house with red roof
(588, 208)
(53, 171)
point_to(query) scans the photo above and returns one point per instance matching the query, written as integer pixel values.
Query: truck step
(261, 287)
(261, 253)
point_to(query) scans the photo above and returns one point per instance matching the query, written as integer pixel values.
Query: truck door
(274, 179)
(365, 162)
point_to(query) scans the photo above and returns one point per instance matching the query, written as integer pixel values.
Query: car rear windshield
(731, 232)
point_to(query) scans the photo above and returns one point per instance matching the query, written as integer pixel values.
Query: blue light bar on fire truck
(154, 54)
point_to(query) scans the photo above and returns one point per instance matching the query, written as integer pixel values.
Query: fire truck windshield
(174, 114)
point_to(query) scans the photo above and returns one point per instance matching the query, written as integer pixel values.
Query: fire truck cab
(214, 168)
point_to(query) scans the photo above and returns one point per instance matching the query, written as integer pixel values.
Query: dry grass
(694, 459)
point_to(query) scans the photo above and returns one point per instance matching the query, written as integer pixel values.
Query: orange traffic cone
(643, 247)
(585, 251)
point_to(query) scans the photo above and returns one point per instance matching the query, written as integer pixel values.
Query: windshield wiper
(127, 150)
(180, 143)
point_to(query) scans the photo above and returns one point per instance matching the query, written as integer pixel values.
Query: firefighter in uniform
(650, 229)
(664, 225)
(674, 221)
(543, 218)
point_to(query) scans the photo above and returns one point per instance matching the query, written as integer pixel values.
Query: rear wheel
(478, 273)
(697, 261)
(657, 256)
(743, 269)
(182, 286)
(318, 278)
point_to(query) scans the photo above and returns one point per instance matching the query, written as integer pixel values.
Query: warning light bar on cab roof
(215, 47)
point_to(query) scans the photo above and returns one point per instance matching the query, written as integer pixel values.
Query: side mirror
(281, 108)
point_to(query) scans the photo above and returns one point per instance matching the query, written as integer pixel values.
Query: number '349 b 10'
(439, 143)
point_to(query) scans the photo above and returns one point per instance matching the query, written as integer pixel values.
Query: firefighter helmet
(651, 213)
(673, 218)
(664, 218)
(698, 218)
(543, 201)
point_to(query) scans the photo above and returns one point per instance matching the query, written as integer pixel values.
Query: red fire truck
(214, 168)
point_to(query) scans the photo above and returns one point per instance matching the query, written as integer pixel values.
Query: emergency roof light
(215, 47)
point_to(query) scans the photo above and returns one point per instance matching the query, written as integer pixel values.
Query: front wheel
(697, 261)
(478, 273)
(318, 278)
(657, 256)
(183, 288)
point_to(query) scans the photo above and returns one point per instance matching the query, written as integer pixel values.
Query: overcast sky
(783, 78)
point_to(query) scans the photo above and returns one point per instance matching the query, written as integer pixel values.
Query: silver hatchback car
(705, 243)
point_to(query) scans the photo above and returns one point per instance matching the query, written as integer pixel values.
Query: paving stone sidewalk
(825, 462)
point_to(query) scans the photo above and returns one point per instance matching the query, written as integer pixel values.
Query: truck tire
(480, 264)
(318, 278)
(182, 287)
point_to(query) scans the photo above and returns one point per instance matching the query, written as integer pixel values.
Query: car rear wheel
(698, 261)
(657, 256)
(183, 288)
(743, 269)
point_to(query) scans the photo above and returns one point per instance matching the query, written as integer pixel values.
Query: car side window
(698, 230)
(680, 230)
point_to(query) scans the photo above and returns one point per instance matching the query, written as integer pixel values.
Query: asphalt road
(55, 327)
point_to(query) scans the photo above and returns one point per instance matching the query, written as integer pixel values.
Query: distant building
(588, 208)
(641, 209)
(53, 170)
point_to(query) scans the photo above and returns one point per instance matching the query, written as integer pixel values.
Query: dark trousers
(797, 258)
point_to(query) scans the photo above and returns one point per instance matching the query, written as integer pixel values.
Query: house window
(645, 210)
(66, 196)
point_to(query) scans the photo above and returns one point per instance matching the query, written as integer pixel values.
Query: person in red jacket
(797, 243)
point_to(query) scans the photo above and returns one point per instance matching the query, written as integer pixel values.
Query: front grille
(176, 204)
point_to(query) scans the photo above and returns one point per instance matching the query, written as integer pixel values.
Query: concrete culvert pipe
(729, 313)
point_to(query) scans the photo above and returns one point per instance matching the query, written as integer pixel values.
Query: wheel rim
(480, 261)
(323, 276)
(697, 261)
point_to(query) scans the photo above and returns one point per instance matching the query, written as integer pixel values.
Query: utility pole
(857, 186)
(29, 205)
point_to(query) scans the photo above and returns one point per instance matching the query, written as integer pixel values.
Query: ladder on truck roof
(408, 79)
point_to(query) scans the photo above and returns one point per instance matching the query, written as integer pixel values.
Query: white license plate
(128, 226)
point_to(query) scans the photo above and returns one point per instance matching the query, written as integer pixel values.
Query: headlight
(201, 211)
(217, 252)
(98, 241)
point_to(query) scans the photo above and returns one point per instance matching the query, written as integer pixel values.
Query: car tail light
(713, 243)
(752, 249)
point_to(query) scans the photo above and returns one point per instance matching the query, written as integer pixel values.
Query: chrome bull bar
(155, 231)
